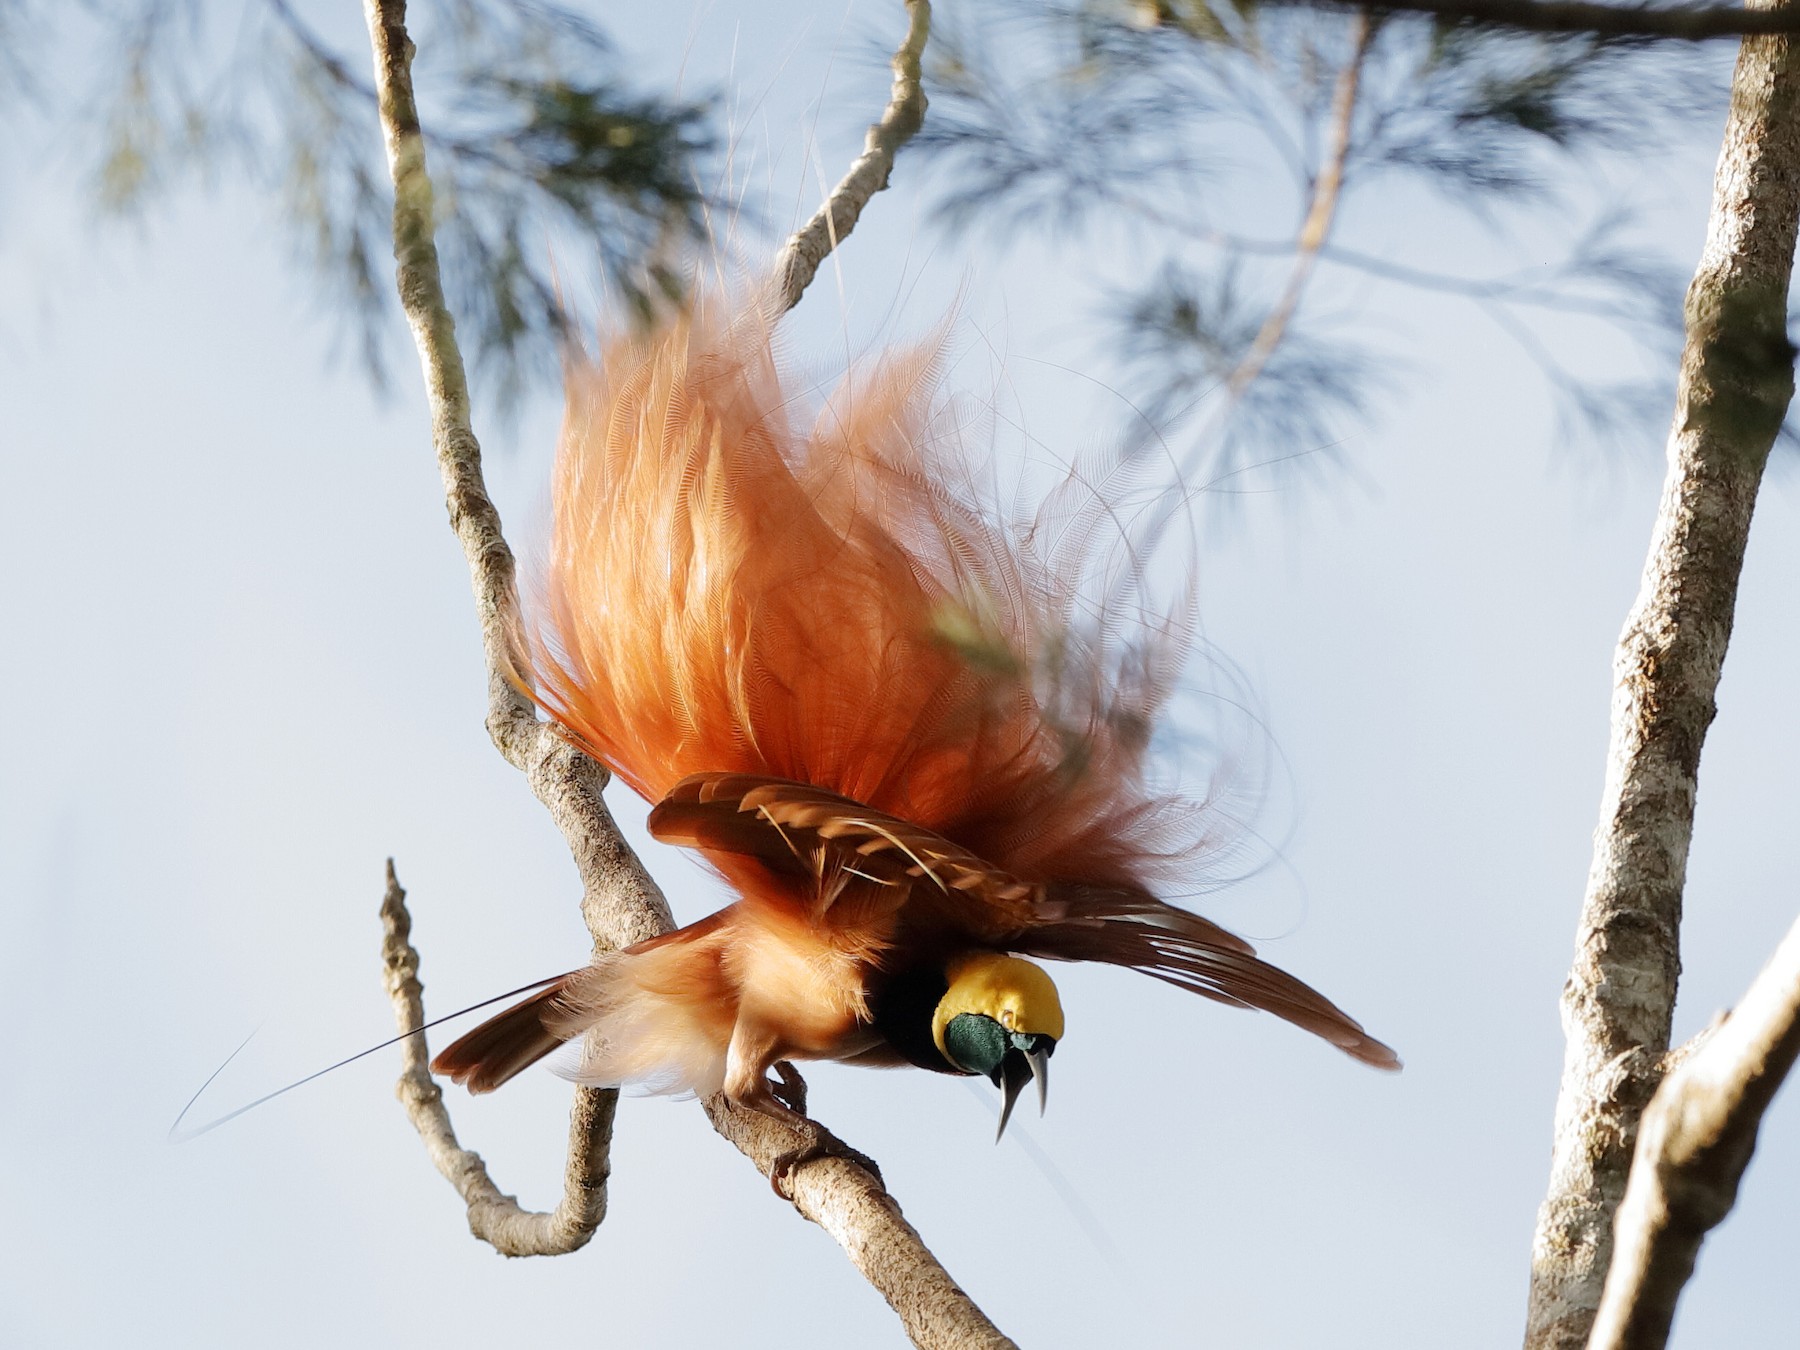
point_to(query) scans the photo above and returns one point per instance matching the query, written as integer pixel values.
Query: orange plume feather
(729, 593)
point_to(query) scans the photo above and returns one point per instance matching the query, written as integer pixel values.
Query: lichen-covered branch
(494, 1217)
(1737, 379)
(1693, 1146)
(621, 903)
(809, 246)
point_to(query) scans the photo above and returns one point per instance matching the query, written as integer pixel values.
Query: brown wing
(1142, 933)
(799, 830)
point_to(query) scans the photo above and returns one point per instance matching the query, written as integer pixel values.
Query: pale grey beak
(1018, 1068)
(1014, 1074)
(1039, 1060)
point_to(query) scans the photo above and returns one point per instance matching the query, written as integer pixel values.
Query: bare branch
(860, 1215)
(495, 1218)
(808, 246)
(1737, 379)
(621, 903)
(1327, 189)
(511, 719)
(1691, 23)
(1695, 1142)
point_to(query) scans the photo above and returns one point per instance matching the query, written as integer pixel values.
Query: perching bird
(876, 711)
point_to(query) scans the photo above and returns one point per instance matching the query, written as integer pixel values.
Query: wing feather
(798, 829)
(1142, 933)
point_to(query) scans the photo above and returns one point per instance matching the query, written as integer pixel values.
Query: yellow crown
(1014, 992)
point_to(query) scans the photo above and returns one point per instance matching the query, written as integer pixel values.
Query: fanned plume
(729, 593)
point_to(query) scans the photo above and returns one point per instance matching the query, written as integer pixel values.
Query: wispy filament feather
(727, 593)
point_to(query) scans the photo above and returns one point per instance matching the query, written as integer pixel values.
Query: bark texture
(1693, 1146)
(620, 903)
(1736, 382)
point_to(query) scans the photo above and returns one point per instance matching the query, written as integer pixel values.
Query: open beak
(1017, 1069)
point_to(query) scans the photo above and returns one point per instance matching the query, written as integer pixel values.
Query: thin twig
(621, 904)
(1695, 1142)
(808, 246)
(494, 1217)
(1512, 290)
(1326, 192)
(1321, 212)
(1737, 379)
(317, 52)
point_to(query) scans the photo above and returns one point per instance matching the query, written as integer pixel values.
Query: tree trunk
(1736, 382)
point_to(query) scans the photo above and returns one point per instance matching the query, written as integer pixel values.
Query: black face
(901, 1006)
(1008, 1059)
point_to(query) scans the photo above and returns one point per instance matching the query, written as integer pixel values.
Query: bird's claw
(791, 1090)
(822, 1143)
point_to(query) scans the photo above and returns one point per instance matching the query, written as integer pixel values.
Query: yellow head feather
(1015, 993)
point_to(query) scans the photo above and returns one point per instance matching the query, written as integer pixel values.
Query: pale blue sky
(242, 670)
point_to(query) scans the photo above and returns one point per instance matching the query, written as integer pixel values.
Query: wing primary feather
(1231, 975)
(763, 811)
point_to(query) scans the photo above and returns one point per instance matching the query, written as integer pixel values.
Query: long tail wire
(177, 1135)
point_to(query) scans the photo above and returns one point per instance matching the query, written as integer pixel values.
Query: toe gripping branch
(819, 1142)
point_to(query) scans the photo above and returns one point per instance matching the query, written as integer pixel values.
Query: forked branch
(1693, 1146)
(1737, 379)
(621, 903)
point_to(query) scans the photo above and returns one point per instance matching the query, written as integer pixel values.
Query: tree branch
(1691, 23)
(1737, 379)
(512, 721)
(1321, 212)
(620, 902)
(808, 246)
(495, 1218)
(1695, 1142)
(866, 1222)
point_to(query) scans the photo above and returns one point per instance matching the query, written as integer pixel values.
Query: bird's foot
(791, 1090)
(821, 1143)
